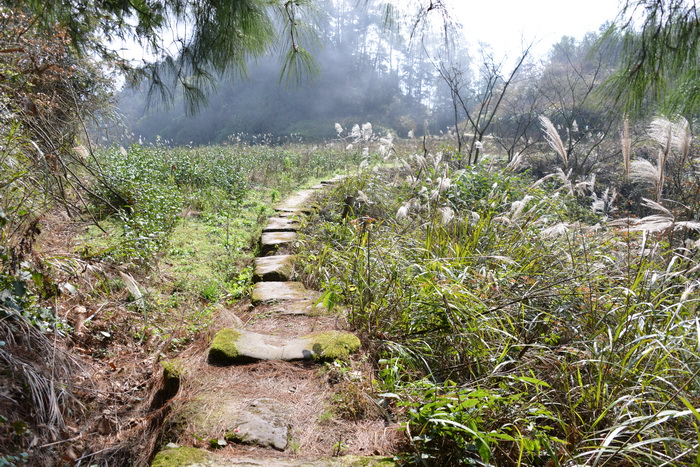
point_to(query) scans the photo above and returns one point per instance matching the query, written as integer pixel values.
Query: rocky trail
(267, 389)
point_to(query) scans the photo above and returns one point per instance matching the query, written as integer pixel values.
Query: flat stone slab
(274, 292)
(302, 308)
(262, 423)
(281, 224)
(343, 461)
(334, 180)
(299, 202)
(271, 241)
(296, 215)
(191, 457)
(273, 268)
(234, 346)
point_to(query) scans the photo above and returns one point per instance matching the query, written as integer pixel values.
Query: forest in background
(366, 72)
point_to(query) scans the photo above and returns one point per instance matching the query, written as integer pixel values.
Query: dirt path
(280, 383)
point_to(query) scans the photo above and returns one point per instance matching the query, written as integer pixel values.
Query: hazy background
(391, 79)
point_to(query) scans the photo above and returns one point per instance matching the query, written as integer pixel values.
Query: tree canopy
(189, 41)
(661, 59)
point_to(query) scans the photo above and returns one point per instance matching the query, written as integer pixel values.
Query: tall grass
(509, 333)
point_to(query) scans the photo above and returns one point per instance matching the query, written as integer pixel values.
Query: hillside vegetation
(519, 320)
(515, 240)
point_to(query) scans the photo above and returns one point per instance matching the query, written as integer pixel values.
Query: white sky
(502, 23)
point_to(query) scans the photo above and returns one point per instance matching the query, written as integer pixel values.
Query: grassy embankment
(511, 323)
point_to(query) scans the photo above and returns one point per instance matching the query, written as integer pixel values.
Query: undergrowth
(167, 239)
(511, 323)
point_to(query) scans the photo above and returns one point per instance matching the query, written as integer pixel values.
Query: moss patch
(223, 348)
(332, 345)
(173, 371)
(180, 457)
(363, 461)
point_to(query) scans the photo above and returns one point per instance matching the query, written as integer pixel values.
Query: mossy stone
(366, 461)
(223, 347)
(331, 345)
(180, 457)
(173, 371)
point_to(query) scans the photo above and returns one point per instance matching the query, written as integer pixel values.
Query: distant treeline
(366, 74)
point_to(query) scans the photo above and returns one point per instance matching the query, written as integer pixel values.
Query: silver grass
(626, 142)
(643, 171)
(367, 131)
(542, 180)
(420, 161)
(604, 203)
(553, 138)
(517, 207)
(671, 134)
(338, 129)
(656, 206)
(402, 213)
(356, 133)
(388, 141)
(564, 177)
(685, 140)
(653, 223)
(435, 159)
(446, 214)
(515, 162)
(502, 219)
(557, 230)
(656, 222)
(584, 186)
(443, 184)
(133, 287)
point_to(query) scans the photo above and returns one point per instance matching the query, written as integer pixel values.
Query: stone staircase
(286, 328)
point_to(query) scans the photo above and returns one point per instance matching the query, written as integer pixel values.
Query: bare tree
(475, 108)
(568, 85)
(516, 128)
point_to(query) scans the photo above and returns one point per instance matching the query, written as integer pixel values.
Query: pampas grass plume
(553, 138)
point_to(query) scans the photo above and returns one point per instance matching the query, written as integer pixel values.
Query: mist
(367, 73)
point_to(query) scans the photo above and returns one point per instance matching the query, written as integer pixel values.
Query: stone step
(273, 268)
(275, 292)
(270, 242)
(334, 180)
(281, 224)
(190, 457)
(261, 423)
(235, 346)
(299, 202)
